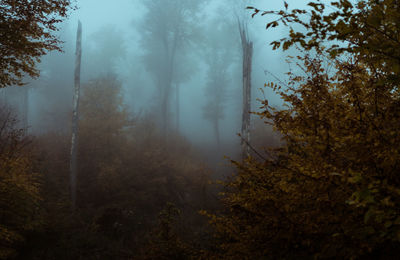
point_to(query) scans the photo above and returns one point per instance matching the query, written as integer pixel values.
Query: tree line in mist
(315, 177)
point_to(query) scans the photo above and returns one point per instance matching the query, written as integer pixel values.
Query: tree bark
(75, 117)
(247, 47)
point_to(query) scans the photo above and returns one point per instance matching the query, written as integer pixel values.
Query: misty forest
(199, 129)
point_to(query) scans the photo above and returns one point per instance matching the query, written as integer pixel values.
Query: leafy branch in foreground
(332, 189)
(27, 33)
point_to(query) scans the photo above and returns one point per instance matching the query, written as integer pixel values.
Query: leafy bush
(332, 190)
(19, 186)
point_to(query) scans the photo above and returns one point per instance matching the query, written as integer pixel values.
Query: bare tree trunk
(216, 129)
(25, 109)
(247, 47)
(165, 109)
(170, 55)
(75, 116)
(177, 107)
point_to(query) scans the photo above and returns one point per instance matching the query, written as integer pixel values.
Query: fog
(113, 36)
(123, 39)
(166, 140)
(162, 104)
(116, 41)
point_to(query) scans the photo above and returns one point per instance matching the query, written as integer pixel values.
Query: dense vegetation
(122, 188)
(328, 189)
(332, 189)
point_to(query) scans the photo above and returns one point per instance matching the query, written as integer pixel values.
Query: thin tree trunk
(75, 116)
(177, 107)
(216, 129)
(247, 47)
(170, 55)
(25, 109)
(165, 108)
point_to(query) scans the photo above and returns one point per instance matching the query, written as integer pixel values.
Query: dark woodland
(199, 129)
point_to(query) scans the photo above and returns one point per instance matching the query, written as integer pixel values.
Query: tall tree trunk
(177, 107)
(170, 50)
(75, 116)
(25, 105)
(247, 47)
(216, 129)
(165, 108)
(3, 98)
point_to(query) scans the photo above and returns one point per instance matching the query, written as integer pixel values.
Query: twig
(252, 148)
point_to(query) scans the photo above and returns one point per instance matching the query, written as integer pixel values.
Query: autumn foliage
(19, 184)
(332, 189)
(127, 175)
(26, 34)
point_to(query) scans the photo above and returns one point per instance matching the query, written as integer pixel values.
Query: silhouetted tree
(105, 48)
(247, 49)
(220, 54)
(19, 186)
(168, 29)
(75, 115)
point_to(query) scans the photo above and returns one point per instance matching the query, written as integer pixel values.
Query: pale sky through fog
(126, 14)
(140, 94)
